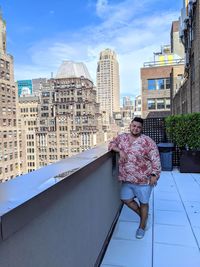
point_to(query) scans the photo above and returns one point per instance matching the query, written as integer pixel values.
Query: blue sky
(41, 34)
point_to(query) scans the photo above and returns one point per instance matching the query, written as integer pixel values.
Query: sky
(41, 34)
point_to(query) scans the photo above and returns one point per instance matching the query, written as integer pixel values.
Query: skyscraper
(108, 83)
(69, 120)
(9, 146)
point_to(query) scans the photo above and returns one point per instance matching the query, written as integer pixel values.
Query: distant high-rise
(2, 35)
(28, 111)
(69, 120)
(108, 83)
(63, 120)
(10, 148)
(24, 84)
(37, 85)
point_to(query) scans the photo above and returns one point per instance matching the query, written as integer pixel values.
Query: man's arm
(155, 161)
(114, 146)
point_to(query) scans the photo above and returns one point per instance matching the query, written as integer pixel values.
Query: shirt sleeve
(114, 143)
(155, 159)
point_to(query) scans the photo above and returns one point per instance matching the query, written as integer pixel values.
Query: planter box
(190, 161)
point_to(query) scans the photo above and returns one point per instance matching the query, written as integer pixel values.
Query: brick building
(156, 77)
(187, 98)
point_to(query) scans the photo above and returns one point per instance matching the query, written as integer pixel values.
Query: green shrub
(184, 130)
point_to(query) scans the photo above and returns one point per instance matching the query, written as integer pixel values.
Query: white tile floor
(174, 236)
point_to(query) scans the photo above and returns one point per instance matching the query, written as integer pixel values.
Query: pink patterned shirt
(143, 158)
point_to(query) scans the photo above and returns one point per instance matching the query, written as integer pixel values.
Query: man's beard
(136, 135)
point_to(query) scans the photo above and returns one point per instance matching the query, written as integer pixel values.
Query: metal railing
(163, 63)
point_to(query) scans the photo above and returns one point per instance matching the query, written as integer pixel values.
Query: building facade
(10, 146)
(27, 123)
(108, 83)
(63, 120)
(37, 85)
(187, 98)
(138, 106)
(24, 87)
(69, 119)
(156, 76)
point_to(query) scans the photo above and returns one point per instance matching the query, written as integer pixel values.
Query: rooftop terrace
(174, 236)
(63, 215)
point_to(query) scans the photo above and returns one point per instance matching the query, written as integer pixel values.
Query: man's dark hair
(138, 119)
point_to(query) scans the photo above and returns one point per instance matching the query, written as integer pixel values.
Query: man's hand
(123, 156)
(153, 180)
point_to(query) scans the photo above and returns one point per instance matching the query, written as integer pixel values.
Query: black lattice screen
(155, 128)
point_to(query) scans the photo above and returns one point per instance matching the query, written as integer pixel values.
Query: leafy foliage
(184, 130)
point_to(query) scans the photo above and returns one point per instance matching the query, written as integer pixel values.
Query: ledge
(27, 196)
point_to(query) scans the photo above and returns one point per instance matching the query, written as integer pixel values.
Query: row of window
(9, 134)
(31, 164)
(6, 169)
(27, 110)
(159, 84)
(10, 144)
(158, 103)
(8, 122)
(68, 92)
(7, 157)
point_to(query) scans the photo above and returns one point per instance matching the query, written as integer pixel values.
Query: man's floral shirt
(143, 158)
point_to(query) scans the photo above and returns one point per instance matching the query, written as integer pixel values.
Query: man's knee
(145, 205)
(126, 201)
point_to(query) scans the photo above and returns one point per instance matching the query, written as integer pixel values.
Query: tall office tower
(108, 83)
(27, 122)
(138, 106)
(37, 85)
(9, 146)
(69, 120)
(24, 87)
(127, 102)
(2, 34)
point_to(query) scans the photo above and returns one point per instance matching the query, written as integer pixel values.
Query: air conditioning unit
(187, 59)
(181, 32)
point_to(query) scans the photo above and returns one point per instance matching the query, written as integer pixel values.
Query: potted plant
(184, 131)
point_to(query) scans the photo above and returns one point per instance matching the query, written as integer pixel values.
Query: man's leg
(132, 204)
(144, 209)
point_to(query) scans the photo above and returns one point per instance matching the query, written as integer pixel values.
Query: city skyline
(41, 37)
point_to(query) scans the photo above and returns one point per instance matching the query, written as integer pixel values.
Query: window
(151, 85)
(167, 103)
(160, 84)
(151, 104)
(168, 83)
(160, 104)
(192, 69)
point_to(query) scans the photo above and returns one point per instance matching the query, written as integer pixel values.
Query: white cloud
(101, 7)
(126, 27)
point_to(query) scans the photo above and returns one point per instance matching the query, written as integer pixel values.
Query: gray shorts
(142, 192)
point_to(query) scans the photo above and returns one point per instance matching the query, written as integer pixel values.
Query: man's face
(135, 128)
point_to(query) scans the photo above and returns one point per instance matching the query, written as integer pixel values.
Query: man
(139, 169)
